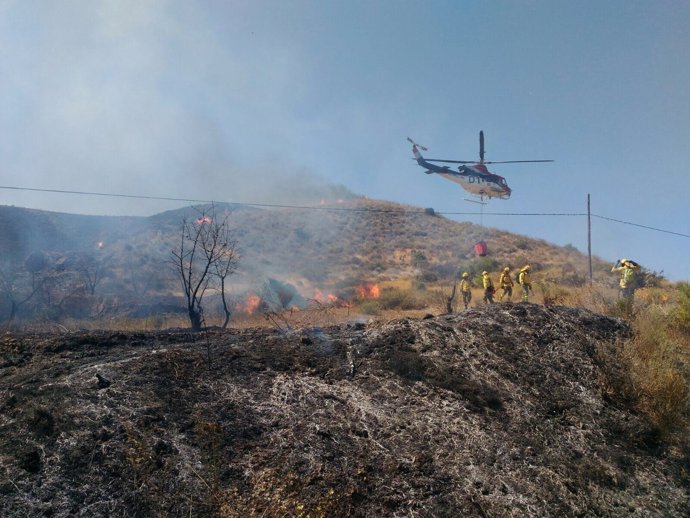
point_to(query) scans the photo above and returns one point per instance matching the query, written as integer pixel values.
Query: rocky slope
(510, 410)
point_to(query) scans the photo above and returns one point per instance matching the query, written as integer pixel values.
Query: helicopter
(474, 177)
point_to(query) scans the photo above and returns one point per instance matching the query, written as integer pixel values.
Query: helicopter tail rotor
(415, 144)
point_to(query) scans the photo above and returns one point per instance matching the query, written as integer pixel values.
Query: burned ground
(510, 410)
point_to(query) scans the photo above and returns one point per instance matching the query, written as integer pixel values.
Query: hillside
(362, 237)
(512, 410)
(330, 249)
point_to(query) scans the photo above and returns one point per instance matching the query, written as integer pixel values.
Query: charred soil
(509, 410)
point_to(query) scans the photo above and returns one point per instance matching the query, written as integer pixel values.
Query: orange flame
(251, 305)
(324, 299)
(368, 290)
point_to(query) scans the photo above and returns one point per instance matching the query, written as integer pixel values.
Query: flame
(324, 299)
(368, 290)
(251, 305)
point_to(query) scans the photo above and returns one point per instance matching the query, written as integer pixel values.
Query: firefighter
(466, 289)
(628, 270)
(506, 283)
(525, 282)
(488, 288)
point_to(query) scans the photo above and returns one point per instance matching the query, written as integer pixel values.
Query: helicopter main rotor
(481, 156)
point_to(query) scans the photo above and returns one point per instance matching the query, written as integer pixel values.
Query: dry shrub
(369, 307)
(682, 312)
(402, 299)
(438, 298)
(552, 293)
(588, 297)
(394, 298)
(649, 296)
(657, 358)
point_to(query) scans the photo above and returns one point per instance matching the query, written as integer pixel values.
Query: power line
(641, 226)
(110, 195)
(193, 200)
(512, 213)
(344, 209)
(282, 206)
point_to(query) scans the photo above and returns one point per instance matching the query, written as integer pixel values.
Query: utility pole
(589, 238)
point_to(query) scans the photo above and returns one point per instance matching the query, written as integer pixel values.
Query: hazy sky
(229, 100)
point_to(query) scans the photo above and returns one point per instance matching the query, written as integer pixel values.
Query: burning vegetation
(368, 290)
(251, 305)
(278, 296)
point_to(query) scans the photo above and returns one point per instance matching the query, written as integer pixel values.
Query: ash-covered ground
(506, 410)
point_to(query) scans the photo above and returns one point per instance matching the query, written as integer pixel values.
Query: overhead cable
(344, 209)
(193, 200)
(641, 226)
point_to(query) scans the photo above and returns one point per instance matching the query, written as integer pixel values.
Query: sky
(247, 101)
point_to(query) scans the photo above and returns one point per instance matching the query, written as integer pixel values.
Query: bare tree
(18, 284)
(90, 269)
(224, 268)
(141, 272)
(205, 257)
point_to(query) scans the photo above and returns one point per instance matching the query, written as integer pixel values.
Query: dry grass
(658, 358)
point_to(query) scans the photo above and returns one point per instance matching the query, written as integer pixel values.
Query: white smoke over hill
(140, 98)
